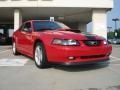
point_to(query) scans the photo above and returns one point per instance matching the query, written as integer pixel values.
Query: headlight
(105, 42)
(65, 42)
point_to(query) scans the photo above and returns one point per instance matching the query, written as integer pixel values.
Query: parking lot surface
(20, 73)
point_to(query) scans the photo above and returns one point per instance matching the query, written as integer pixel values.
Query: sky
(114, 13)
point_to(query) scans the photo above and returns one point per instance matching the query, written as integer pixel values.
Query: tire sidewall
(14, 48)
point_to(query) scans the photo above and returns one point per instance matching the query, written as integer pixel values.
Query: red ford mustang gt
(54, 42)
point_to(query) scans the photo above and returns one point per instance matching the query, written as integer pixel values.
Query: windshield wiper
(44, 29)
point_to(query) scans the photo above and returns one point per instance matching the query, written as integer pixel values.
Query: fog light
(71, 58)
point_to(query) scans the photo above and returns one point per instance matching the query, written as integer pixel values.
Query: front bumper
(81, 54)
(82, 63)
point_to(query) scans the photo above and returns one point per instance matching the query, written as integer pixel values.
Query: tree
(118, 33)
(111, 35)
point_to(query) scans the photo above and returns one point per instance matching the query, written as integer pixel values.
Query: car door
(26, 41)
(19, 38)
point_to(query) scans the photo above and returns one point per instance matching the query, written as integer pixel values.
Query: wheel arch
(34, 45)
(13, 39)
(37, 41)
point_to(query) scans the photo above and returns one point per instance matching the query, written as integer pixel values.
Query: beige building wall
(99, 21)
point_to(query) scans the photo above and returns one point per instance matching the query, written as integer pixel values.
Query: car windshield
(48, 25)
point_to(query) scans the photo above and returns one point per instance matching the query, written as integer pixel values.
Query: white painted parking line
(13, 62)
(115, 61)
(2, 51)
(114, 58)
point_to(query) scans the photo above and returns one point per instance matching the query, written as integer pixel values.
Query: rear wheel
(40, 56)
(14, 49)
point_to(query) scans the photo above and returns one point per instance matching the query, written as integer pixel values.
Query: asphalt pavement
(20, 73)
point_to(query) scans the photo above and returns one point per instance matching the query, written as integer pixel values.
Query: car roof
(38, 20)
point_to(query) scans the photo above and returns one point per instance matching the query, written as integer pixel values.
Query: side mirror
(27, 29)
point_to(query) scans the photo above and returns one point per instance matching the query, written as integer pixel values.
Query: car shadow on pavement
(78, 68)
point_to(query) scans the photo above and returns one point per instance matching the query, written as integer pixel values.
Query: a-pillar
(17, 19)
(99, 22)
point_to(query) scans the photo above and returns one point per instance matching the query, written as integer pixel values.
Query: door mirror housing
(27, 30)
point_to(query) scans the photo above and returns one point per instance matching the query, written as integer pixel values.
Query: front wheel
(40, 56)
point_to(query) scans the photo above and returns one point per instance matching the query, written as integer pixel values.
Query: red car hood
(72, 35)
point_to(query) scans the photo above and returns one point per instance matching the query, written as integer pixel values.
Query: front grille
(92, 42)
(93, 56)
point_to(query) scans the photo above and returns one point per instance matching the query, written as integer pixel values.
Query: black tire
(40, 56)
(14, 49)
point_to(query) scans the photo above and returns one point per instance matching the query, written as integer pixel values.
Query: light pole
(115, 20)
(109, 28)
(109, 33)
